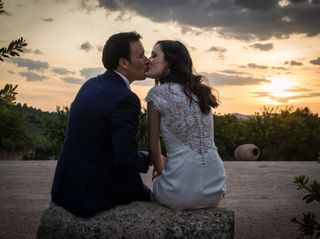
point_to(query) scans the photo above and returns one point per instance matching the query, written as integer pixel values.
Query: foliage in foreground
(308, 225)
(12, 50)
(8, 94)
(14, 47)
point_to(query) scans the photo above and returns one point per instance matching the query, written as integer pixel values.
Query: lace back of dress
(185, 120)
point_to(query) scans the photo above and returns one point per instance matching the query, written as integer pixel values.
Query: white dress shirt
(124, 78)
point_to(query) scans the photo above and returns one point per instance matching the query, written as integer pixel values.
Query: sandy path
(261, 194)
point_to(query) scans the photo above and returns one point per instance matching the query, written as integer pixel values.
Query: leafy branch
(8, 94)
(1, 7)
(313, 188)
(13, 48)
(308, 225)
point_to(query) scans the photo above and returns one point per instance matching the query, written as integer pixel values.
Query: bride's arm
(154, 137)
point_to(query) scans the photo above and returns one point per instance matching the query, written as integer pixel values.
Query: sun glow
(278, 90)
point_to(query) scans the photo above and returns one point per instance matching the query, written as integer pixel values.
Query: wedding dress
(194, 176)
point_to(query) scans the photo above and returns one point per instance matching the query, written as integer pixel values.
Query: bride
(179, 110)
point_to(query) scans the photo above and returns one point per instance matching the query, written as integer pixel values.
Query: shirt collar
(124, 79)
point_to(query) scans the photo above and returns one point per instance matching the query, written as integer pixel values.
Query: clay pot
(247, 152)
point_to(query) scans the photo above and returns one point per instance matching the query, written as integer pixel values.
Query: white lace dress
(194, 176)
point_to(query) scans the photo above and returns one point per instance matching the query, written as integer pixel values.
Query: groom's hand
(164, 160)
(155, 174)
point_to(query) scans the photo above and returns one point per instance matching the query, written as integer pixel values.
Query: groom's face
(137, 64)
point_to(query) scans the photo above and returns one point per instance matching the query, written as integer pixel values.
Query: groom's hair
(117, 47)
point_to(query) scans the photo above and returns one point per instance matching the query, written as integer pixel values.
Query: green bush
(281, 134)
(13, 137)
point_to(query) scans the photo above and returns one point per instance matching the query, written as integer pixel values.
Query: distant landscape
(281, 134)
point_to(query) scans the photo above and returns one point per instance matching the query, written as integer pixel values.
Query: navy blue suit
(99, 165)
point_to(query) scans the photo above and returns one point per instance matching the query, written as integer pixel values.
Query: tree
(55, 129)
(229, 132)
(13, 135)
(8, 94)
(285, 134)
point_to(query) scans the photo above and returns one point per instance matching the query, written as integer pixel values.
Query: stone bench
(138, 220)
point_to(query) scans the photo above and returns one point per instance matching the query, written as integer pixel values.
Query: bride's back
(183, 118)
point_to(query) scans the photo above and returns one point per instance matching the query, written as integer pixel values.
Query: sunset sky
(253, 52)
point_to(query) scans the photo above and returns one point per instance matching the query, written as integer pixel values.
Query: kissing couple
(99, 164)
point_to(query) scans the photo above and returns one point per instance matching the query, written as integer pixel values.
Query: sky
(253, 53)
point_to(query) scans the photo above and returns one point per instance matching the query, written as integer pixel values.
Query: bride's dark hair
(180, 70)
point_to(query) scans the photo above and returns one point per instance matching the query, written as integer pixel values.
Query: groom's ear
(123, 63)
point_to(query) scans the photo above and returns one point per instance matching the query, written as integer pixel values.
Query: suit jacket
(99, 165)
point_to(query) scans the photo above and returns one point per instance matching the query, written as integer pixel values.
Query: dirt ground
(262, 195)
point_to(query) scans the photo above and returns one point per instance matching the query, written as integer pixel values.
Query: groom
(99, 166)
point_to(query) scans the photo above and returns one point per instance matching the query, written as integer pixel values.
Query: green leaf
(11, 45)
(13, 53)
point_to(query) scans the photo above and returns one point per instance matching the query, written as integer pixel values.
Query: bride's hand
(155, 174)
(164, 160)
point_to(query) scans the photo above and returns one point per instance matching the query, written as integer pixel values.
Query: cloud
(86, 46)
(62, 71)
(242, 19)
(255, 66)
(279, 68)
(31, 76)
(223, 80)
(299, 89)
(34, 51)
(47, 19)
(232, 72)
(30, 64)
(296, 97)
(72, 80)
(293, 63)
(87, 7)
(91, 72)
(100, 48)
(262, 47)
(305, 93)
(315, 61)
(262, 94)
(218, 49)
(45, 1)
(188, 29)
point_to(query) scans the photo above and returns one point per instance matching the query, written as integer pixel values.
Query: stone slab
(138, 220)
